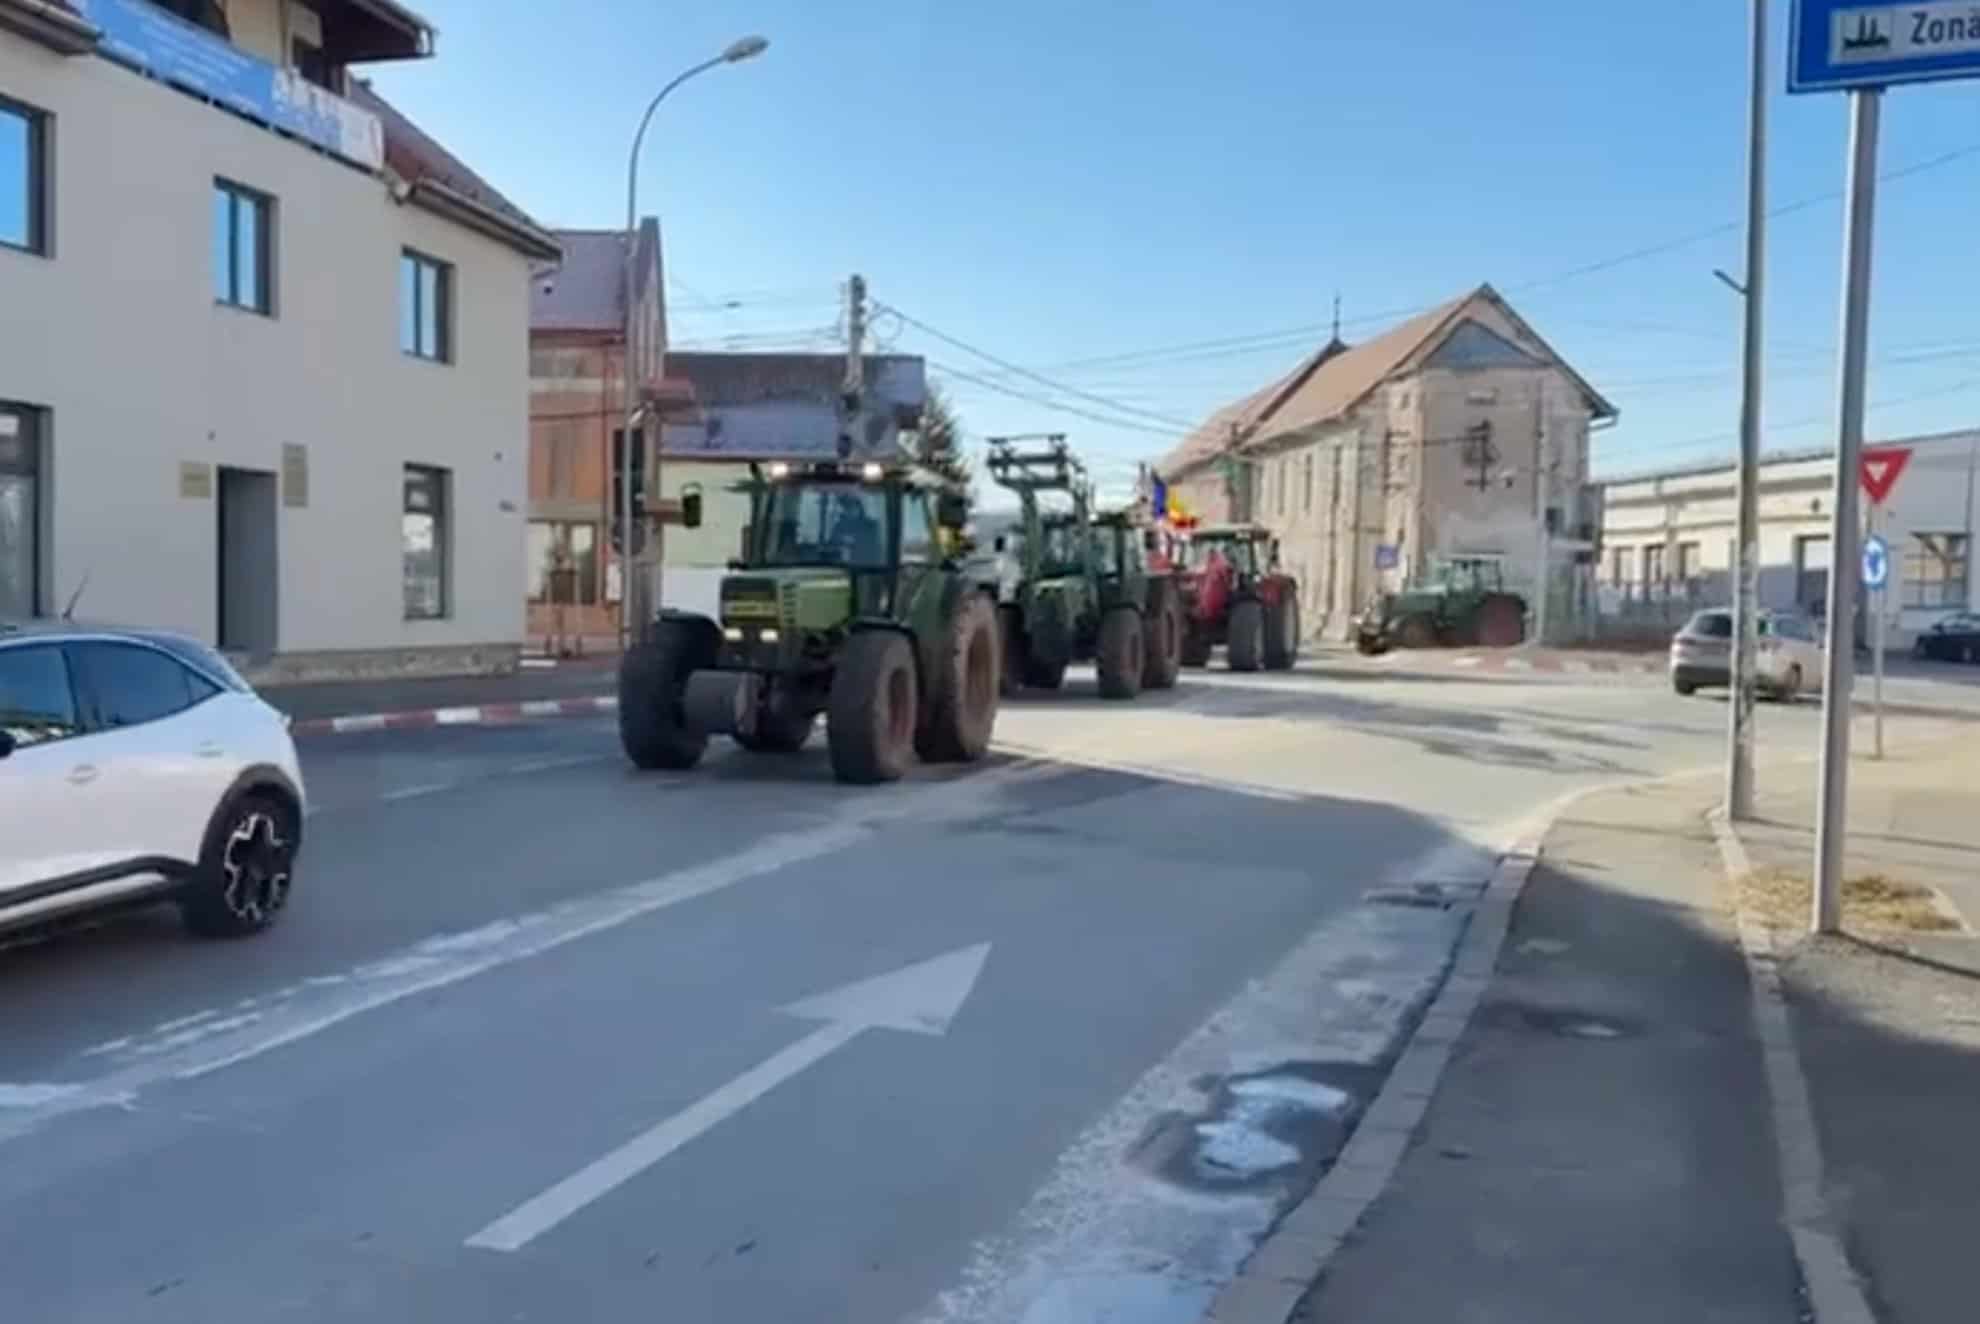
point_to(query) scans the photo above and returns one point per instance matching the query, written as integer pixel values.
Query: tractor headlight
(732, 633)
(769, 636)
(872, 473)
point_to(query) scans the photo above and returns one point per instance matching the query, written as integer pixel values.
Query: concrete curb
(486, 714)
(1270, 1286)
(1835, 1294)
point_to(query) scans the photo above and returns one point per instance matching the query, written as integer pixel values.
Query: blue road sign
(1876, 562)
(1836, 44)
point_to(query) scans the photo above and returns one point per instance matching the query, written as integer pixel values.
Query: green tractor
(1464, 602)
(1084, 591)
(847, 602)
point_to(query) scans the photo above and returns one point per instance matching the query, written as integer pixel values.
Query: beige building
(264, 365)
(1457, 433)
(1668, 538)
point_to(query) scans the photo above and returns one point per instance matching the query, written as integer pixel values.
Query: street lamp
(743, 48)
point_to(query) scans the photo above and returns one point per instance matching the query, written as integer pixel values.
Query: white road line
(415, 792)
(457, 716)
(299, 1011)
(531, 1220)
(552, 765)
(543, 708)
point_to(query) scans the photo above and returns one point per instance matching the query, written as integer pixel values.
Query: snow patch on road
(1105, 1238)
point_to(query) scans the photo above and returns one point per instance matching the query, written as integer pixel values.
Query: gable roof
(443, 182)
(1337, 378)
(586, 290)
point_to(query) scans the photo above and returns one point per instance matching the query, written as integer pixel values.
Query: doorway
(248, 564)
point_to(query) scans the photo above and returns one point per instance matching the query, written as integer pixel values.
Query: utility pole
(1543, 496)
(853, 399)
(1746, 568)
(1840, 665)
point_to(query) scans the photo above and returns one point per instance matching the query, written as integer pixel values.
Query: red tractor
(1236, 595)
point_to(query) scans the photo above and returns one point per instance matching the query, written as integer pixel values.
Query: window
(828, 523)
(20, 511)
(1935, 570)
(426, 307)
(1309, 482)
(37, 703)
(23, 178)
(917, 532)
(1653, 569)
(563, 563)
(242, 235)
(129, 685)
(423, 540)
(1811, 571)
(1688, 561)
(1619, 566)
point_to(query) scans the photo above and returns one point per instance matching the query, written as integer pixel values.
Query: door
(162, 763)
(20, 514)
(50, 816)
(248, 564)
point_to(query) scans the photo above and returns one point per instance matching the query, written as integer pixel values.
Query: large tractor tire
(652, 677)
(1162, 643)
(1501, 622)
(1196, 645)
(1011, 653)
(1122, 654)
(959, 701)
(778, 732)
(1416, 632)
(1246, 648)
(870, 719)
(1282, 633)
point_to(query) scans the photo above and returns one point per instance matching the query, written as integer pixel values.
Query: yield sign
(1879, 469)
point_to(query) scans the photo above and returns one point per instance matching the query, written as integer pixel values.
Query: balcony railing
(139, 34)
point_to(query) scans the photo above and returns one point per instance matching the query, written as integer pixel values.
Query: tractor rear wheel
(1282, 633)
(652, 677)
(1011, 651)
(1501, 622)
(870, 718)
(1246, 648)
(1122, 653)
(1416, 632)
(1162, 643)
(959, 707)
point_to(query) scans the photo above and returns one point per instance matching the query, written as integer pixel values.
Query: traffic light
(638, 489)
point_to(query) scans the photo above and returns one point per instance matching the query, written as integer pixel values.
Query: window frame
(561, 533)
(443, 348)
(40, 194)
(1954, 593)
(90, 703)
(263, 207)
(33, 425)
(78, 713)
(441, 480)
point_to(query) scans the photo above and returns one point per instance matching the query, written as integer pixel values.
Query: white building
(263, 344)
(1668, 538)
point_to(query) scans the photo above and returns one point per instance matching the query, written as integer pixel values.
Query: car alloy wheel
(254, 868)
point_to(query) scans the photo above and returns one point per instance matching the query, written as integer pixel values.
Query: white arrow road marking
(918, 999)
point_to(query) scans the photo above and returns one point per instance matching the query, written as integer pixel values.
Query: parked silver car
(1789, 660)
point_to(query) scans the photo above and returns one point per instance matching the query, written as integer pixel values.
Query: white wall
(118, 335)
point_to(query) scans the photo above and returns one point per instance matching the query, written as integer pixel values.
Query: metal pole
(1844, 556)
(631, 605)
(1746, 566)
(1879, 600)
(1543, 553)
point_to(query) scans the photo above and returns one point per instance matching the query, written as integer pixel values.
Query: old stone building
(1458, 433)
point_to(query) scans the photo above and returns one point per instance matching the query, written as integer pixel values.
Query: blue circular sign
(1876, 562)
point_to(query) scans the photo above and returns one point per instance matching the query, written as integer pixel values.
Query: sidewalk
(1600, 1146)
(455, 700)
(1603, 1144)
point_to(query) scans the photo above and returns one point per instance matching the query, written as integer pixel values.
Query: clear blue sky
(1056, 182)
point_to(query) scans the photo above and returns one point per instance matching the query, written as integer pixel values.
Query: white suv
(135, 767)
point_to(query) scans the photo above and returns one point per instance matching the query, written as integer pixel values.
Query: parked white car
(1788, 663)
(136, 767)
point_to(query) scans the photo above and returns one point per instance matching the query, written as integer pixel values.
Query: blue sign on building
(140, 34)
(1837, 44)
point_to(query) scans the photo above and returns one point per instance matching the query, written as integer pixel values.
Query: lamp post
(630, 606)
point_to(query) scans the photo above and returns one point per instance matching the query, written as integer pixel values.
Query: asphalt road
(543, 1038)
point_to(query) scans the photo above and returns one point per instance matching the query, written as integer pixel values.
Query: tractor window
(1106, 548)
(1059, 551)
(917, 533)
(825, 524)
